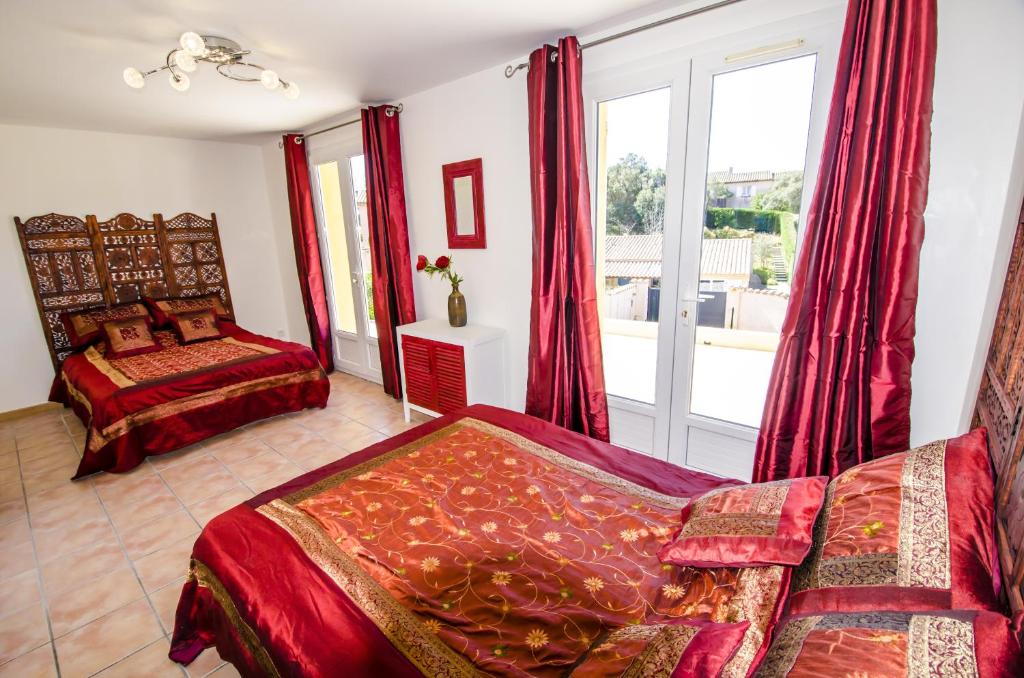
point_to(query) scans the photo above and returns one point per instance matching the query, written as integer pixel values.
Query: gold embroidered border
(941, 646)
(76, 394)
(115, 375)
(201, 574)
(589, 472)
(248, 344)
(786, 647)
(663, 652)
(757, 593)
(189, 403)
(403, 628)
(924, 521)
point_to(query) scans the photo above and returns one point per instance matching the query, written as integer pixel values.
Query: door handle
(685, 313)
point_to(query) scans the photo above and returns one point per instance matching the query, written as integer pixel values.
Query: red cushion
(676, 648)
(940, 643)
(747, 526)
(910, 531)
(128, 337)
(196, 326)
(83, 327)
(163, 309)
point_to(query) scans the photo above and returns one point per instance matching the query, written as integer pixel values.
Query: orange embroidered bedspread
(178, 359)
(476, 548)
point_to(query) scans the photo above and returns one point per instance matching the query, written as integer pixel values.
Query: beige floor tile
(207, 483)
(82, 566)
(47, 480)
(286, 437)
(124, 479)
(12, 509)
(16, 560)
(151, 662)
(360, 442)
(207, 509)
(259, 466)
(44, 436)
(278, 476)
(14, 533)
(22, 631)
(19, 592)
(158, 534)
(129, 516)
(206, 664)
(344, 434)
(311, 448)
(165, 601)
(132, 489)
(10, 490)
(62, 457)
(10, 474)
(165, 565)
(75, 511)
(60, 496)
(89, 649)
(63, 539)
(225, 671)
(82, 604)
(169, 459)
(240, 450)
(227, 439)
(35, 664)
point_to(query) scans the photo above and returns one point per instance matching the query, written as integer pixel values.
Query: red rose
(442, 262)
(421, 262)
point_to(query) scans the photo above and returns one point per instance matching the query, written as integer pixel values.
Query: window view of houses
(753, 187)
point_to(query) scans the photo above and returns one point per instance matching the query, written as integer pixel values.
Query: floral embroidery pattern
(487, 566)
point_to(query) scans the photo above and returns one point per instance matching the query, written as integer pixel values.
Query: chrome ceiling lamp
(228, 56)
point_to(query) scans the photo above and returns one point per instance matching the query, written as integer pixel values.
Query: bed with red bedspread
(157, 402)
(483, 541)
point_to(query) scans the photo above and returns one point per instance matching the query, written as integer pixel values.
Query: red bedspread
(482, 541)
(158, 402)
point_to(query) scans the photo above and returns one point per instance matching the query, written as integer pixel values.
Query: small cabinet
(446, 368)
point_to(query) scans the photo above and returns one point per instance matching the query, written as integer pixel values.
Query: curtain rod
(511, 70)
(388, 111)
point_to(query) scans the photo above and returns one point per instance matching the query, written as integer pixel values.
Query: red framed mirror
(464, 204)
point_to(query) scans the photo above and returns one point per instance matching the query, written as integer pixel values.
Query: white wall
(974, 198)
(75, 172)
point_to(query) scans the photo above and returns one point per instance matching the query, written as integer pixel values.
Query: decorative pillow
(129, 337)
(163, 309)
(196, 326)
(910, 531)
(749, 525)
(83, 327)
(688, 648)
(892, 644)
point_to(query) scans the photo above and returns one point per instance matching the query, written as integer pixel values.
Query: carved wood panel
(1000, 408)
(75, 264)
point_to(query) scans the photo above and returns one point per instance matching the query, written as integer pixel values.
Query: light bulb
(133, 77)
(179, 81)
(184, 61)
(291, 91)
(270, 79)
(192, 43)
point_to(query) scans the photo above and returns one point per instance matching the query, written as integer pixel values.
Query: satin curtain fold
(391, 264)
(565, 383)
(307, 251)
(839, 393)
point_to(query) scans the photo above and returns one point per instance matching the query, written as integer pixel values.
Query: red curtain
(307, 250)
(391, 264)
(839, 393)
(565, 382)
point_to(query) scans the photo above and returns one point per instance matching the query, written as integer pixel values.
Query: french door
(338, 178)
(698, 188)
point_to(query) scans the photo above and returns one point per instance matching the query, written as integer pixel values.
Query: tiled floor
(90, 571)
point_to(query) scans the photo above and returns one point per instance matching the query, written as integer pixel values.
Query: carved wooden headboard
(1000, 408)
(75, 263)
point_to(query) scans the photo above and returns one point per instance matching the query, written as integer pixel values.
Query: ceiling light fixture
(228, 56)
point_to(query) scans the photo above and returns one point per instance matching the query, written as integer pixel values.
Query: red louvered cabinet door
(420, 385)
(450, 370)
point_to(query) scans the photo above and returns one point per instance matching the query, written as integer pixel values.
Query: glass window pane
(759, 123)
(632, 151)
(358, 167)
(337, 248)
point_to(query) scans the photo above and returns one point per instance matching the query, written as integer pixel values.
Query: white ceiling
(61, 60)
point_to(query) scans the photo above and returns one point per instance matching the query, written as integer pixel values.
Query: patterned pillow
(910, 531)
(687, 648)
(747, 526)
(128, 337)
(83, 327)
(163, 309)
(891, 644)
(196, 326)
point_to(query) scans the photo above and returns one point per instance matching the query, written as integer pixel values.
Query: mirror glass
(465, 221)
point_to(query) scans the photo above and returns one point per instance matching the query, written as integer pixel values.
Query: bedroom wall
(77, 172)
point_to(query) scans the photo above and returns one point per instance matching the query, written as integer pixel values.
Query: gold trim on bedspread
(106, 369)
(201, 574)
(98, 439)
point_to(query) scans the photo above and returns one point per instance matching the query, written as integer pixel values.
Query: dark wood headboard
(1000, 408)
(78, 263)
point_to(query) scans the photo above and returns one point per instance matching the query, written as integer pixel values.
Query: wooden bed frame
(1000, 408)
(75, 264)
